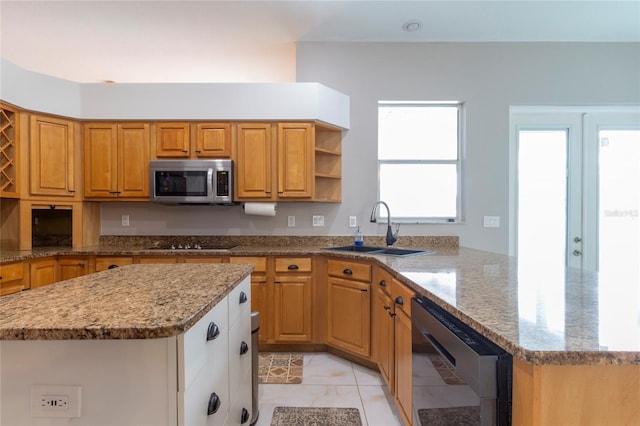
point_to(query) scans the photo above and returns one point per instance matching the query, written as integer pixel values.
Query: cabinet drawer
(10, 272)
(383, 281)
(259, 263)
(293, 264)
(240, 302)
(349, 270)
(400, 290)
(196, 352)
(103, 263)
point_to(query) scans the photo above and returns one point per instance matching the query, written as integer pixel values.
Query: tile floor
(330, 381)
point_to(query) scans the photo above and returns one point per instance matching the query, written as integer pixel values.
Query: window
(419, 167)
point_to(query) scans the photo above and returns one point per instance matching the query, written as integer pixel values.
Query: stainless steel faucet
(391, 236)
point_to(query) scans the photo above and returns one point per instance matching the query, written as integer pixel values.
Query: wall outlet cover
(55, 401)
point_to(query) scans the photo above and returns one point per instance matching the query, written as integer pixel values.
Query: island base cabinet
(137, 382)
(123, 382)
(575, 394)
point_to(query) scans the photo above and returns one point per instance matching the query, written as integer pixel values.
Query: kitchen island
(137, 345)
(574, 335)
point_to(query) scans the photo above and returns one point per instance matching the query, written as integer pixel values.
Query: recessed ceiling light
(411, 26)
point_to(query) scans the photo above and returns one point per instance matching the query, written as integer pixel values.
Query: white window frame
(459, 217)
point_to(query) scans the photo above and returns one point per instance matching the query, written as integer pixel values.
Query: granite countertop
(538, 313)
(131, 302)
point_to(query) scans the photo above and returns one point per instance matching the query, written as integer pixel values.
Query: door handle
(243, 297)
(577, 253)
(214, 404)
(244, 348)
(577, 239)
(213, 331)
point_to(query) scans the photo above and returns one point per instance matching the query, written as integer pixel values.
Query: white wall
(488, 77)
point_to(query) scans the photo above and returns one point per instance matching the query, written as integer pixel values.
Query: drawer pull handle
(386, 308)
(392, 314)
(292, 267)
(243, 297)
(383, 283)
(399, 300)
(214, 404)
(347, 271)
(82, 265)
(112, 267)
(244, 348)
(244, 417)
(364, 290)
(213, 331)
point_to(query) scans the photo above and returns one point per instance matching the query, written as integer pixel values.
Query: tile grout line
(364, 411)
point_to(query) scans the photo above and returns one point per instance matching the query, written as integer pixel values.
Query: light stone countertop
(537, 313)
(131, 302)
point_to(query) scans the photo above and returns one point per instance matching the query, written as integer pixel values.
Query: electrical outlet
(55, 401)
(125, 220)
(291, 221)
(353, 221)
(318, 220)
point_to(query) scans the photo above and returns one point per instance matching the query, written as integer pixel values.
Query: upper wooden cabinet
(53, 157)
(193, 140)
(295, 160)
(9, 139)
(172, 140)
(213, 140)
(287, 162)
(254, 152)
(116, 160)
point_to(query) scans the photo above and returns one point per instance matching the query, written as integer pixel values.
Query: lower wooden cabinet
(12, 278)
(401, 296)
(110, 262)
(383, 334)
(349, 306)
(281, 291)
(72, 267)
(43, 272)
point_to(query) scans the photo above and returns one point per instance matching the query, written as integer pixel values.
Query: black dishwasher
(477, 374)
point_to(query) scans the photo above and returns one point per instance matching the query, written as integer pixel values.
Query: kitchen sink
(389, 251)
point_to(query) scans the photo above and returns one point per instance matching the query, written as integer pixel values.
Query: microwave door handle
(210, 182)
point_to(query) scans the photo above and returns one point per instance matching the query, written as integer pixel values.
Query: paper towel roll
(260, 209)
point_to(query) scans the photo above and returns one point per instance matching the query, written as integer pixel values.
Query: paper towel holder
(260, 208)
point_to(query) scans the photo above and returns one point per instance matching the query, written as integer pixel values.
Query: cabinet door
(11, 278)
(43, 272)
(349, 315)
(72, 267)
(52, 170)
(292, 308)
(133, 160)
(384, 337)
(213, 140)
(100, 160)
(295, 160)
(172, 140)
(403, 365)
(254, 153)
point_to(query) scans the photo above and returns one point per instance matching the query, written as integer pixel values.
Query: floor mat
(316, 416)
(454, 416)
(446, 372)
(280, 368)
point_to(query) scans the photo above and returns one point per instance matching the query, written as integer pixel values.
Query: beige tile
(366, 376)
(327, 369)
(379, 407)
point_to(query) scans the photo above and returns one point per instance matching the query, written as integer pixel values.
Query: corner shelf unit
(328, 164)
(8, 151)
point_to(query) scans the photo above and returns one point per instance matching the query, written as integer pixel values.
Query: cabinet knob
(292, 267)
(347, 271)
(112, 266)
(214, 404)
(244, 417)
(243, 297)
(244, 348)
(383, 283)
(213, 331)
(399, 300)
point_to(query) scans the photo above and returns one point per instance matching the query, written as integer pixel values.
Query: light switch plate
(491, 222)
(291, 221)
(353, 221)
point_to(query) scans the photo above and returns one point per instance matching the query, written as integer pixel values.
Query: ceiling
(235, 41)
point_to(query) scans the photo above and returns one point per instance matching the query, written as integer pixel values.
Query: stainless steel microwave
(191, 181)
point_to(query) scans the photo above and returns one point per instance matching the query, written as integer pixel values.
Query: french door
(575, 186)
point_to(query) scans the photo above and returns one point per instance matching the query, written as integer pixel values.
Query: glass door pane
(542, 197)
